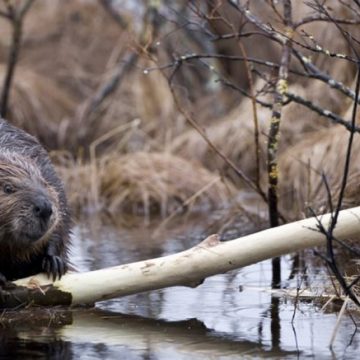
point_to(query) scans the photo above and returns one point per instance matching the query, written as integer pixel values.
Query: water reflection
(275, 323)
(33, 334)
(96, 333)
(110, 333)
(17, 348)
(229, 316)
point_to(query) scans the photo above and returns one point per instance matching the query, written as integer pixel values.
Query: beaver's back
(18, 141)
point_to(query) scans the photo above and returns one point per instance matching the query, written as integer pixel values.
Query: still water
(230, 316)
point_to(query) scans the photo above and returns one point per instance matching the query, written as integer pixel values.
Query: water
(230, 316)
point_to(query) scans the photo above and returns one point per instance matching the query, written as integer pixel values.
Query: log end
(20, 296)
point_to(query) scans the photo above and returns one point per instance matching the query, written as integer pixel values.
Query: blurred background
(108, 87)
(159, 118)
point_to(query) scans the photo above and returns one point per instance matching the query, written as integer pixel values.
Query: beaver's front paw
(5, 287)
(54, 266)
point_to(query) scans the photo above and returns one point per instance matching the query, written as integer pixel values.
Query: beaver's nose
(42, 208)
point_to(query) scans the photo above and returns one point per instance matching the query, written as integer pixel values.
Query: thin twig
(336, 328)
(107, 88)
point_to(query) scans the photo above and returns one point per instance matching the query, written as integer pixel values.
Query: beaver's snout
(33, 214)
(38, 218)
(42, 208)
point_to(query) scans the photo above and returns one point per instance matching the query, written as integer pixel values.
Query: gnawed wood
(186, 268)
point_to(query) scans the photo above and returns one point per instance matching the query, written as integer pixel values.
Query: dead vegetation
(143, 183)
(39, 106)
(147, 156)
(303, 168)
(234, 133)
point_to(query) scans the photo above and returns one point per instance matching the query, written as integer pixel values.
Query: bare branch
(107, 5)
(107, 88)
(274, 132)
(323, 112)
(16, 18)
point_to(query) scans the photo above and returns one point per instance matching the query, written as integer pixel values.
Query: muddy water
(230, 316)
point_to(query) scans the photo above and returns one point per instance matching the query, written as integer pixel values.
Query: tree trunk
(187, 268)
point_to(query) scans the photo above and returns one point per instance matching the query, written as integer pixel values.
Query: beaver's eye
(8, 189)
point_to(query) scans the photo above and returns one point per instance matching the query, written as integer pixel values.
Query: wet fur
(25, 164)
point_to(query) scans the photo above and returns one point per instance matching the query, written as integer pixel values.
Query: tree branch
(187, 268)
(16, 18)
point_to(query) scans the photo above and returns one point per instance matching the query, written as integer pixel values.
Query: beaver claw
(54, 266)
(3, 280)
(5, 285)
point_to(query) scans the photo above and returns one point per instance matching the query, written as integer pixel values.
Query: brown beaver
(34, 216)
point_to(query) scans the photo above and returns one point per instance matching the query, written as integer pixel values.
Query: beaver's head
(28, 204)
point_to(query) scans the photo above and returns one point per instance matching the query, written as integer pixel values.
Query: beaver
(34, 216)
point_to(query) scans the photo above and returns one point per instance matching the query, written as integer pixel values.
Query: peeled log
(187, 268)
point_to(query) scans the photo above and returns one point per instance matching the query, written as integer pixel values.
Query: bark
(187, 268)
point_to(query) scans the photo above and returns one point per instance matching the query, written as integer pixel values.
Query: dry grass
(74, 48)
(234, 134)
(70, 49)
(302, 167)
(71, 41)
(147, 98)
(38, 106)
(142, 183)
